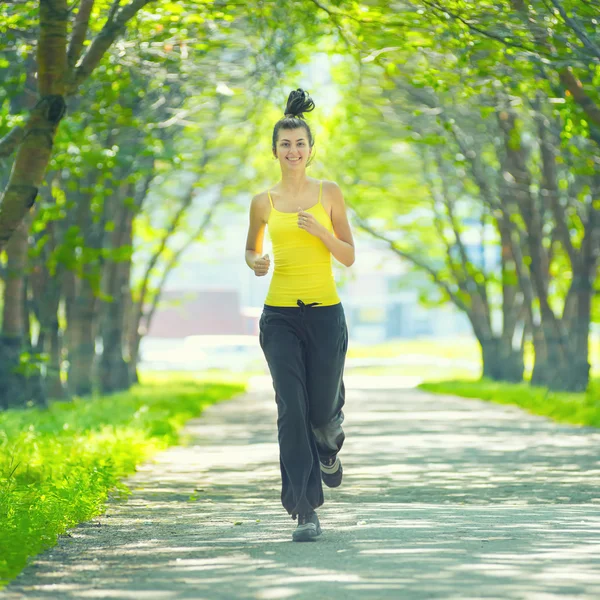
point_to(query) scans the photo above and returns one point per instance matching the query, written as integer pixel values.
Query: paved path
(442, 498)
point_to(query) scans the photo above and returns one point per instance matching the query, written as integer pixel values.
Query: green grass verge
(58, 466)
(565, 407)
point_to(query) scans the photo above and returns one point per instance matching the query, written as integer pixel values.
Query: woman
(303, 330)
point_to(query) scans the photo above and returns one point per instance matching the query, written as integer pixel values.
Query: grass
(564, 407)
(58, 466)
(444, 377)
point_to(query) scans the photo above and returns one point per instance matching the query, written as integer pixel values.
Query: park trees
(496, 105)
(147, 153)
(467, 139)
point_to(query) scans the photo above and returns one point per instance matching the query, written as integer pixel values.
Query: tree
(137, 124)
(452, 69)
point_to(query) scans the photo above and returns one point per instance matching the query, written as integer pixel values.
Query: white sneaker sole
(332, 469)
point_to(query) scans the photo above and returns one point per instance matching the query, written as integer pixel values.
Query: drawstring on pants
(305, 306)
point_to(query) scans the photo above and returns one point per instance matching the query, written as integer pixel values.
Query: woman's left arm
(340, 243)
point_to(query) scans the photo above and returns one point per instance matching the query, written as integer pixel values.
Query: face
(293, 148)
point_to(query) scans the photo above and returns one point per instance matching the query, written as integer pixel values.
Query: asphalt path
(442, 497)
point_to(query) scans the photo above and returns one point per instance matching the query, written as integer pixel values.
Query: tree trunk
(114, 369)
(501, 362)
(35, 150)
(54, 384)
(82, 297)
(82, 339)
(69, 294)
(510, 356)
(45, 301)
(550, 339)
(577, 372)
(542, 367)
(12, 385)
(133, 343)
(13, 382)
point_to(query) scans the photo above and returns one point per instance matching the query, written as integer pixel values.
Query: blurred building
(198, 312)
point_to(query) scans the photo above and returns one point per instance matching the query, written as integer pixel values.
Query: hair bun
(299, 102)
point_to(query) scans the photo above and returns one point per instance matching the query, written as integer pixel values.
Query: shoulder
(260, 198)
(332, 194)
(332, 189)
(261, 204)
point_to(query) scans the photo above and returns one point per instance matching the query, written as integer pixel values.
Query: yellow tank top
(303, 268)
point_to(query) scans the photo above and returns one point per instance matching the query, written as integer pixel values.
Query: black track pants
(305, 348)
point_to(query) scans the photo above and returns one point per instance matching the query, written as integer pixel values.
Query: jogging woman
(303, 331)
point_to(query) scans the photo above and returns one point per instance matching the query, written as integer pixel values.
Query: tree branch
(577, 28)
(440, 197)
(79, 33)
(333, 15)
(415, 261)
(550, 177)
(177, 255)
(591, 109)
(9, 143)
(114, 25)
(489, 34)
(566, 76)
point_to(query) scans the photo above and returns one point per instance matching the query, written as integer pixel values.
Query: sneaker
(331, 472)
(309, 528)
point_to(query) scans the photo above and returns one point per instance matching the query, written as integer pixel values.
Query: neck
(293, 182)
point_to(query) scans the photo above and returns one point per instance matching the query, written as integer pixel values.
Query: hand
(261, 265)
(308, 222)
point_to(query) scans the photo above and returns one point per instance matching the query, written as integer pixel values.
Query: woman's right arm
(256, 233)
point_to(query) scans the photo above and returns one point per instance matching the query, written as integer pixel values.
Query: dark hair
(298, 103)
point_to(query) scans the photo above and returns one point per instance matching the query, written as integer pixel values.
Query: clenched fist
(261, 265)
(308, 222)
